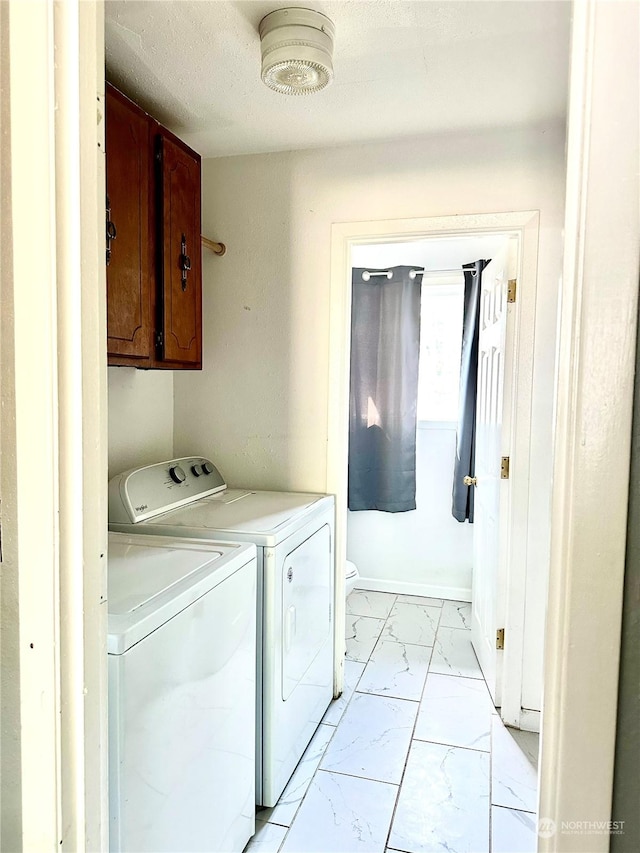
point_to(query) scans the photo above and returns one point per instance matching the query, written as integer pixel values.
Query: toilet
(352, 575)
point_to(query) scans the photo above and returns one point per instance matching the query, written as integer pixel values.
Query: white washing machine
(294, 535)
(181, 644)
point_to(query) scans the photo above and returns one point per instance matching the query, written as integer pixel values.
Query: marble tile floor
(413, 756)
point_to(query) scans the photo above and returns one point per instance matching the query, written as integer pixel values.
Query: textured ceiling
(403, 68)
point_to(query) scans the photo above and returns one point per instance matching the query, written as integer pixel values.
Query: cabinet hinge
(159, 339)
(511, 290)
(110, 232)
(500, 638)
(504, 468)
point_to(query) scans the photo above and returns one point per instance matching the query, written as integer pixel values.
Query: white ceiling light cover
(297, 51)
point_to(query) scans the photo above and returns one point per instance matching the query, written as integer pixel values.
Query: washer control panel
(145, 492)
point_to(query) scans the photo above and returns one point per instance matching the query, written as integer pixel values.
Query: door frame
(54, 428)
(525, 226)
(594, 406)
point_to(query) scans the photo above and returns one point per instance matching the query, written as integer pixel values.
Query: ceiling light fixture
(297, 51)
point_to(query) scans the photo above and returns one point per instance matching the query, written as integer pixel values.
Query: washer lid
(151, 579)
(251, 514)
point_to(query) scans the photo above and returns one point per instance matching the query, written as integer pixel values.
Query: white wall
(260, 404)
(259, 407)
(426, 551)
(140, 417)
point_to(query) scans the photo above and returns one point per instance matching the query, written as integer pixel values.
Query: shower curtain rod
(415, 271)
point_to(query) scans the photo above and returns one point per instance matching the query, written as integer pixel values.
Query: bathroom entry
(426, 551)
(410, 549)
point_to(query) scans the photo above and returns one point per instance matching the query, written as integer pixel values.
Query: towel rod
(217, 248)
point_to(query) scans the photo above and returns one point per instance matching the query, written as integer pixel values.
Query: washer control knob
(177, 474)
(196, 470)
(207, 467)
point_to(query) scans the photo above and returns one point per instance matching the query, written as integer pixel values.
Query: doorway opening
(425, 551)
(428, 583)
(431, 409)
(521, 228)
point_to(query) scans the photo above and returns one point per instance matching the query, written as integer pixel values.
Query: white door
(492, 413)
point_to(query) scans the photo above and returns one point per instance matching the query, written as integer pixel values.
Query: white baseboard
(452, 593)
(529, 720)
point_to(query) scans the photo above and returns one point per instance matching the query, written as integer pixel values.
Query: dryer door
(306, 607)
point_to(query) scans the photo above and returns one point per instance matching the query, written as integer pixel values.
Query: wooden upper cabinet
(129, 319)
(154, 263)
(180, 249)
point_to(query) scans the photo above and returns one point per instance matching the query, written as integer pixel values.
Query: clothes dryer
(294, 536)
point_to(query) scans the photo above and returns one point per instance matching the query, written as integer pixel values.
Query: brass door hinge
(511, 290)
(500, 638)
(504, 468)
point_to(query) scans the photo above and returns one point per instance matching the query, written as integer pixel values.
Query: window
(441, 311)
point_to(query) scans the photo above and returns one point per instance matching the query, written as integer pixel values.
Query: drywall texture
(259, 407)
(140, 417)
(427, 548)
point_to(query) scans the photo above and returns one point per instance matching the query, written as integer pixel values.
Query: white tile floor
(412, 757)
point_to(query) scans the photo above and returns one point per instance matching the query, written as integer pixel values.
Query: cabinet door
(129, 266)
(181, 284)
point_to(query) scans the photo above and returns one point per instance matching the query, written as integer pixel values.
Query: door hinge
(511, 289)
(504, 468)
(500, 638)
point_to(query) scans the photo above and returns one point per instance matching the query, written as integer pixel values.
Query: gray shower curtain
(385, 348)
(464, 465)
